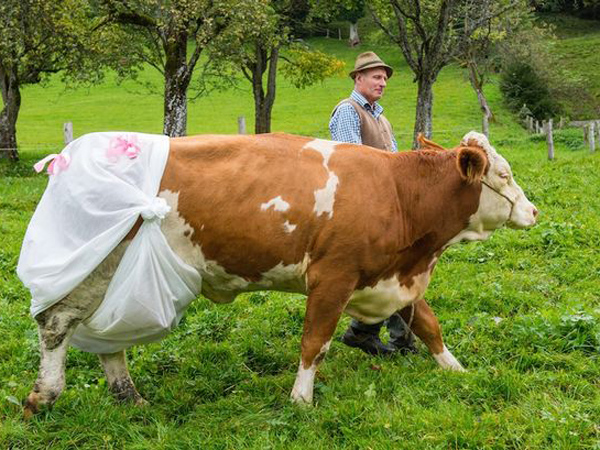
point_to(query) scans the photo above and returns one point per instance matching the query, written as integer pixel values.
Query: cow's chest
(377, 303)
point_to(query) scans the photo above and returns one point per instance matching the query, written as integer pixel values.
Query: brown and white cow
(354, 228)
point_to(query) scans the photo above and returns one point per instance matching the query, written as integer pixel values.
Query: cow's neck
(435, 205)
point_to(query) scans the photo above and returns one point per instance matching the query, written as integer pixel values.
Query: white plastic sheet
(87, 209)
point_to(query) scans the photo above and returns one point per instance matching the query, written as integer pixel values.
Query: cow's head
(502, 201)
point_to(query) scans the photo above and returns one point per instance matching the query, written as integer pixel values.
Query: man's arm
(394, 143)
(344, 126)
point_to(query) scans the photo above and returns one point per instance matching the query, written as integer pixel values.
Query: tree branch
(405, 44)
(247, 74)
(382, 26)
(440, 36)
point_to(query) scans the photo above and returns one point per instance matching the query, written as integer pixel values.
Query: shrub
(520, 84)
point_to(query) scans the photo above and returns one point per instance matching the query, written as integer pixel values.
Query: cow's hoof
(134, 399)
(140, 401)
(31, 406)
(447, 361)
(298, 399)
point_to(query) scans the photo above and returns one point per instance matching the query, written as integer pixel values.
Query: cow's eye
(505, 176)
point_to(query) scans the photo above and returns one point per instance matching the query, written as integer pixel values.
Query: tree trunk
(177, 80)
(423, 120)
(11, 96)
(263, 102)
(175, 108)
(485, 126)
(354, 40)
(477, 84)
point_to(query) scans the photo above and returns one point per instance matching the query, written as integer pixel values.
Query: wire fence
(590, 130)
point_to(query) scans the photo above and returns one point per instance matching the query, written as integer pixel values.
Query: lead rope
(512, 203)
(412, 316)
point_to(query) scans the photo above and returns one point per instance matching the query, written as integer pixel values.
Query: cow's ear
(472, 163)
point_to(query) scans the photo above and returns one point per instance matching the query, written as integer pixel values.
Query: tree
(422, 30)
(39, 38)
(484, 29)
(261, 54)
(166, 30)
(352, 11)
(429, 34)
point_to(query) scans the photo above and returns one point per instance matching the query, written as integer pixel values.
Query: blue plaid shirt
(344, 126)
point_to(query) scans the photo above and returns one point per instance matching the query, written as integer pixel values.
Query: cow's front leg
(327, 299)
(118, 378)
(426, 326)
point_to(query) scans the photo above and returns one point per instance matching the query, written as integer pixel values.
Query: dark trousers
(396, 326)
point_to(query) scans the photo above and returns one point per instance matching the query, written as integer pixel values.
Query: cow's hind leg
(426, 326)
(326, 301)
(118, 378)
(55, 328)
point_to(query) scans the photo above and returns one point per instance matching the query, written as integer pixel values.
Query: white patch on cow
(302, 392)
(325, 148)
(375, 304)
(325, 197)
(287, 278)
(277, 203)
(469, 235)
(446, 360)
(482, 141)
(289, 227)
(179, 234)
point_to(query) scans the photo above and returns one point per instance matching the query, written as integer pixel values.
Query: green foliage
(352, 10)
(38, 37)
(306, 67)
(521, 85)
(149, 33)
(586, 9)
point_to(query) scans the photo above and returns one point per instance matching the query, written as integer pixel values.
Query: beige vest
(374, 132)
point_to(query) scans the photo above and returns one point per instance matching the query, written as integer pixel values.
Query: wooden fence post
(530, 124)
(68, 132)
(544, 126)
(550, 140)
(339, 34)
(592, 137)
(242, 125)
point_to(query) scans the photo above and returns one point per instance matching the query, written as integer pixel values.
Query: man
(359, 119)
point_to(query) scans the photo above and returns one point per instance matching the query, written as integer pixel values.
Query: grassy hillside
(576, 51)
(520, 311)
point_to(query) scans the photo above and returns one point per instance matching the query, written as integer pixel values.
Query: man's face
(370, 83)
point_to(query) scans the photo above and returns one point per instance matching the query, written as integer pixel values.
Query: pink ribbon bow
(123, 145)
(58, 163)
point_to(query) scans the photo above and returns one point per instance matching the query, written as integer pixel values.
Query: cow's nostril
(535, 212)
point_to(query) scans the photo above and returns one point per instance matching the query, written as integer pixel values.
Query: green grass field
(520, 311)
